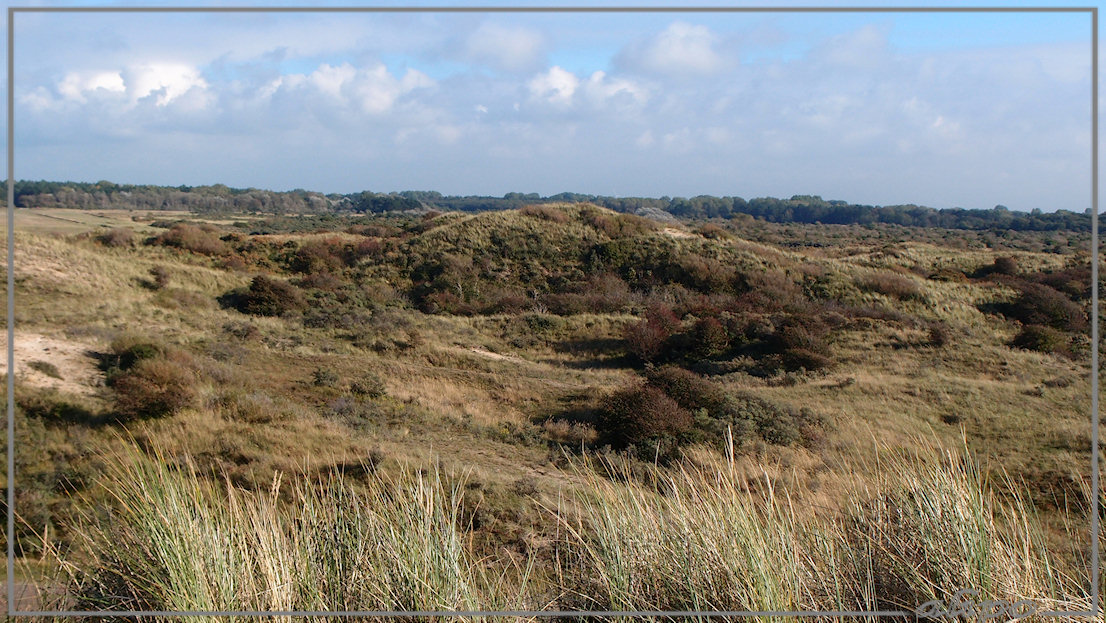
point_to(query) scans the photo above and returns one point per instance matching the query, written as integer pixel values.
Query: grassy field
(552, 408)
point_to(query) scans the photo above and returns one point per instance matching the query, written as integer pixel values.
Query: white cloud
(503, 47)
(680, 50)
(76, 84)
(164, 81)
(373, 90)
(555, 85)
(599, 89)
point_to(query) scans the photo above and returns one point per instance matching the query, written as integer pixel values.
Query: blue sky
(944, 110)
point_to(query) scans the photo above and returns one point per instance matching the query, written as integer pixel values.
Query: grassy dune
(433, 427)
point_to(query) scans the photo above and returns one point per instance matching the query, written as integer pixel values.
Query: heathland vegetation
(554, 407)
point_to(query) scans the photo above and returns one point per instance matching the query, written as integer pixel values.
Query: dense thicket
(797, 209)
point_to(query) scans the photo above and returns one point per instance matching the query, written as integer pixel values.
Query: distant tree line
(798, 209)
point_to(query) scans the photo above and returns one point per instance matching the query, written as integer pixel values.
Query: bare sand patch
(677, 233)
(73, 361)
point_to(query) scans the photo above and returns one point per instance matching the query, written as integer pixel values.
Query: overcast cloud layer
(856, 108)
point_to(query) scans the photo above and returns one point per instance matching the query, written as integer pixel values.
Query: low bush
(370, 385)
(269, 297)
(324, 377)
(126, 351)
(891, 284)
(545, 213)
(117, 237)
(1005, 265)
(154, 388)
(1041, 339)
(160, 276)
(640, 414)
(45, 367)
(1039, 304)
(689, 390)
(201, 240)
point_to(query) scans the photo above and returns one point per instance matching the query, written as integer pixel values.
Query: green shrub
(126, 351)
(709, 337)
(323, 377)
(689, 390)
(1041, 339)
(270, 297)
(369, 385)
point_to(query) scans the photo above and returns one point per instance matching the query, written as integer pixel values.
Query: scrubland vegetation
(559, 407)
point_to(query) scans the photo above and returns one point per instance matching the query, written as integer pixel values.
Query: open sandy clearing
(73, 361)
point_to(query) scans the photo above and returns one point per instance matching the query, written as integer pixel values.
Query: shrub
(1041, 305)
(1041, 339)
(117, 237)
(160, 276)
(1005, 265)
(126, 351)
(713, 232)
(323, 377)
(640, 413)
(200, 240)
(270, 297)
(370, 385)
(153, 388)
(318, 256)
(1074, 281)
(322, 280)
(545, 213)
(689, 390)
(939, 334)
(646, 338)
(709, 337)
(891, 284)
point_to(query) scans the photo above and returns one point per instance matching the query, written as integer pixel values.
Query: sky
(944, 110)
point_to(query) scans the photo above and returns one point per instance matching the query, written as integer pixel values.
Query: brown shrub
(640, 413)
(713, 232)
(318, 256)
(202, 240)
(1039, 304)
(891, 284)
(1005, 265)
(160, 276)
(646, 338)
(545, 213)
(117, 237)
(154, 388)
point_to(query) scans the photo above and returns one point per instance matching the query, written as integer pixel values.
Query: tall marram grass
(701, 535)
(174, 541)
(936, 524)
(698, 538)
